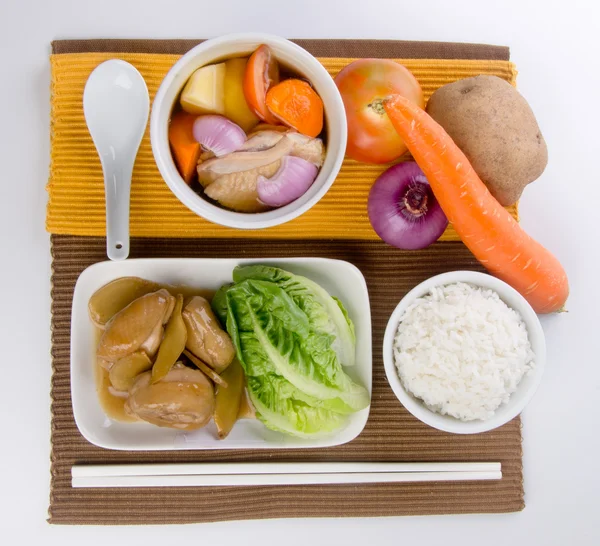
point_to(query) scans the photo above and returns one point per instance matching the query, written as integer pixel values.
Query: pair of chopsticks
(246, 474)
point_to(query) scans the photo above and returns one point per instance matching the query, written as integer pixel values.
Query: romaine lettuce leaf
(279, 409)
(219, 303)
(261, 313)
(257, 364)
(325, 313)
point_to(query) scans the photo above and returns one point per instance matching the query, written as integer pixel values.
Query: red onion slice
(218, 134)
(403, 209)
(293, 178)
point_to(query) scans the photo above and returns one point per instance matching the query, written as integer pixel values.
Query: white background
(555, 46)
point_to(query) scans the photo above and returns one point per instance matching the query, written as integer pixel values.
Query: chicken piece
(307, 148)
(261, 149)
(151, 345)
(205, 337)
(107, 301)
(237, 191)
(262, 140)
(236, 162)
(304, 147)
(138, 326)
(184, 399)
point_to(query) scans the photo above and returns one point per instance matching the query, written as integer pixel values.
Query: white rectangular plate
(339, 278)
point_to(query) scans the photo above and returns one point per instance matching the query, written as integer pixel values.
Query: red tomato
(363, 85)
(262, 72)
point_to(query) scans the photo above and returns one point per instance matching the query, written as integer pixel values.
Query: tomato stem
(377, 106)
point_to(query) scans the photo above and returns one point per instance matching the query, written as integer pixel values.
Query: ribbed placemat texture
(76, 186)
(391, 434)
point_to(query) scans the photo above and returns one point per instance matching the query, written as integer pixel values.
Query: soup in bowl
(248, 131)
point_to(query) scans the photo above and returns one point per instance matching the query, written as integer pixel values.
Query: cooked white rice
(462, 351)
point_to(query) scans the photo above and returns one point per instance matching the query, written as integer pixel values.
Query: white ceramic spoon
(116, 106)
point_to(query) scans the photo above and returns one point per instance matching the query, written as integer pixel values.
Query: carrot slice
(484, 226)
(186, 150)
(296, 104)
(262, 71)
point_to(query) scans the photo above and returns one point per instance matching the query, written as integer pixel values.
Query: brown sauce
(114, 406)
(189, 292)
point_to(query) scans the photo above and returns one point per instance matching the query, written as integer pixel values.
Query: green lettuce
(326, 313)
(257, 364)
(289, 347)
(281, 407)
(219, 303)
(303, 356)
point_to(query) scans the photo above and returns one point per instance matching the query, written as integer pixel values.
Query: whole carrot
(484, 226)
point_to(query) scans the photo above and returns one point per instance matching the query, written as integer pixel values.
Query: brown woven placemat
(382, 49)
(391, 434)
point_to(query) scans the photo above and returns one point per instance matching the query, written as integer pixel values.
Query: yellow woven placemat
(76, 186)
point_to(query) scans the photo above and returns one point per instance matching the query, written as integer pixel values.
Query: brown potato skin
(495, 128)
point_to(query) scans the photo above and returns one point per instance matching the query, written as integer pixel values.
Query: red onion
(403, 210)
(292, 179)
(218, 135)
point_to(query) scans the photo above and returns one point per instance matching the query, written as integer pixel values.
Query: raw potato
(204, 91)
(496, 129)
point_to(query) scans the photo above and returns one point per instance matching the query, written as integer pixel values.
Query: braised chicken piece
(184, 399)
(138, 327)
(205, 337)
(113, 297)
(145, 331)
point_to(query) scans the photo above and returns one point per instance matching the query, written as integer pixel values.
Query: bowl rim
(448, 423)
(202, 207)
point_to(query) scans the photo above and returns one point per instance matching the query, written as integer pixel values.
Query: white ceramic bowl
(528, 385)
(238, 45)
(339, 278)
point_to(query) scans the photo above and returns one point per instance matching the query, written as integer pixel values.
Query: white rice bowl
(462, 351)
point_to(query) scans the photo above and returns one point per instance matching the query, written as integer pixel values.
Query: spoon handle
(117, 188)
